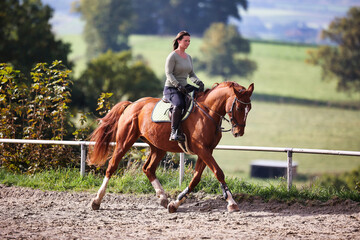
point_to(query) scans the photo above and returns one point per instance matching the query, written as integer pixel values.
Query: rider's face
(184, 42)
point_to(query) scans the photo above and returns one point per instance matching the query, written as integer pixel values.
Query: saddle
(163, 109)
(162, 113)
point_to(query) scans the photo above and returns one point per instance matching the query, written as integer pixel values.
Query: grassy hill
(283, 79)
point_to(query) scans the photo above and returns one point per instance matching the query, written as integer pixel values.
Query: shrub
(345, 181)
(38, 111)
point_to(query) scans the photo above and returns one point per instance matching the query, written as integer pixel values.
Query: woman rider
(178, 68)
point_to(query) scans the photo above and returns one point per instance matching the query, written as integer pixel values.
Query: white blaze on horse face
(247, 110)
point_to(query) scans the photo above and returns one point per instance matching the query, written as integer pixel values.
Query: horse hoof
(233, 208)
(95, 206)
(164, 202)
(171, 207)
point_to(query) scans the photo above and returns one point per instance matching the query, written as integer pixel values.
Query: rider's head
(179, 36)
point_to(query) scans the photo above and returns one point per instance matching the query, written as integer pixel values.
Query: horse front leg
(219, 174)
(232, 205)
(199, 168)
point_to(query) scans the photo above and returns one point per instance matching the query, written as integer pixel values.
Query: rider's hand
(201, 86)
(182, 89)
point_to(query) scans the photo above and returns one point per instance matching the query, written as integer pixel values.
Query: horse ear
(250, 88)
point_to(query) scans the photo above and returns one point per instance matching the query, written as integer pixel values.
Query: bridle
(232, 121)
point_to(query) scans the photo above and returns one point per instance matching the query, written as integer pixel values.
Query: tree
(221, 47)
(26, 37)
(116, 73)
(171, 16)
(341, 62)
(108, 24)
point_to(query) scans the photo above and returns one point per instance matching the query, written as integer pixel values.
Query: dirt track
(33, 214)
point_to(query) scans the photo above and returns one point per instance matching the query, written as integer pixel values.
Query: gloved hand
(201, 86)
(182, 89)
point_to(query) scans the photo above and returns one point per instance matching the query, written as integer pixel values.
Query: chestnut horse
(127, 122)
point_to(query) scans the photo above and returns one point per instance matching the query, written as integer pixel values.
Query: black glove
(201, 86)
(182, 89)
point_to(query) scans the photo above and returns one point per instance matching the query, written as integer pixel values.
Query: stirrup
(175, 136)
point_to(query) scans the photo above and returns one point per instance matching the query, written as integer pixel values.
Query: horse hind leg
(95, 203)
(201, 163)
(113, 163)
(122, 146)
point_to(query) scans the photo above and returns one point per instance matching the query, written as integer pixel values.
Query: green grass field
(281, 72)
(135, 182)
(282, 125)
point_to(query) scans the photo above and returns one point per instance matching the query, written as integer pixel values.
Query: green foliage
(103, 103)
(116, 73)
(107, 24)
(60, 179)
(345, 181)
(341, 62)
(48, 102)
(26, 37)
(12, 95)
(37, 112)
(84, 129)
(220, 47)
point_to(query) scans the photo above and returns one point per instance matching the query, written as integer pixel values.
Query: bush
(344, 181)
(38, 111)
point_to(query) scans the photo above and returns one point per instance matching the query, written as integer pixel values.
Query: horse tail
(105, 133)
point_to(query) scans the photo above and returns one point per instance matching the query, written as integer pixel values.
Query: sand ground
(34, 214)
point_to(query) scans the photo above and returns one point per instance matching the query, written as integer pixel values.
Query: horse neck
(216, 100)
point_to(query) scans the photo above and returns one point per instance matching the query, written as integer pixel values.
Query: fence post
(83, 159)
(289, 169)
(181, 170)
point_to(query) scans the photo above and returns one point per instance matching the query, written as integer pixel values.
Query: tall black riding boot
(176, 134)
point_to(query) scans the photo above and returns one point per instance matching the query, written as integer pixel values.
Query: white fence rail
(289, 152)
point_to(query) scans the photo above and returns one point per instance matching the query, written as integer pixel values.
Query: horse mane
(235, 85)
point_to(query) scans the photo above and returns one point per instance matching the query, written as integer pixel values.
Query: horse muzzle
(238, 132)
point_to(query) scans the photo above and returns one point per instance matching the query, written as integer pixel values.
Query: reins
(232, 120)
(218, 126)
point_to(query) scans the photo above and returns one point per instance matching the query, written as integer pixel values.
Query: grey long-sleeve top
(178, 69)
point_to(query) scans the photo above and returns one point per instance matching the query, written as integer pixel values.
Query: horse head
(238, 107)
